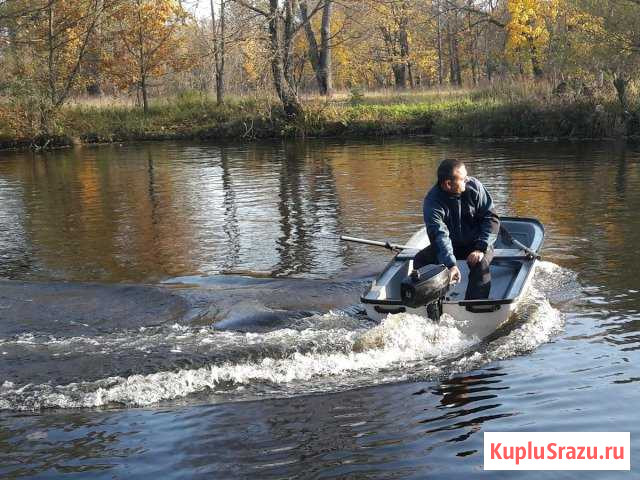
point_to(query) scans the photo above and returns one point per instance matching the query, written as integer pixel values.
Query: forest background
(83, 71)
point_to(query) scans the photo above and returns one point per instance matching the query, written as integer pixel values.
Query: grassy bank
(523, 111)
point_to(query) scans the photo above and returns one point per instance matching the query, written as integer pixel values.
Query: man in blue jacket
(461, 224)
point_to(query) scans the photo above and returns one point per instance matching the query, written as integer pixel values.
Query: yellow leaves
(530, 27)
(254, 60)
(425, 58)
(527, 22)
(52, 44)
(349, 67)
(146, 41)
(586, 22)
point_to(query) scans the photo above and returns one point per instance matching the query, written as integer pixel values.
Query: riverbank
(482, 114)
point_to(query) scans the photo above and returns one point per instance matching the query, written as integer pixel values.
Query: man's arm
(489, 220)
(439, 233)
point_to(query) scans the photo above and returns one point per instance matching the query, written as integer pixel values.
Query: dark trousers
(479, 276)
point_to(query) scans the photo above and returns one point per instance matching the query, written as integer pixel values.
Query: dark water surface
(286, 380)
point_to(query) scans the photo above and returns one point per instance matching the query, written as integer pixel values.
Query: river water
(283, 377)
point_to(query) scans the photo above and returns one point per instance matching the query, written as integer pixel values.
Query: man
(461, 224)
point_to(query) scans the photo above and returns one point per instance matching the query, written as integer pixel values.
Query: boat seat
(502, 277)
(407, 254)
(410, 253)
(507, 252)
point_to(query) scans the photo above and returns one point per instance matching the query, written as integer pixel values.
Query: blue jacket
(461, 221)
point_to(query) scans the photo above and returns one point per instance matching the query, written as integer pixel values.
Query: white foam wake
(536, 320)
(398, 340)
(329, 351)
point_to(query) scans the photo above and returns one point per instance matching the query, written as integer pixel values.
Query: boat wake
(321, 353)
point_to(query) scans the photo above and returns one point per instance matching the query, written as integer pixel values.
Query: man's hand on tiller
(454, 274)
(474, 258)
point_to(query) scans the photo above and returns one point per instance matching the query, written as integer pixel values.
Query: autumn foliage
(53, 52)
(146, 40)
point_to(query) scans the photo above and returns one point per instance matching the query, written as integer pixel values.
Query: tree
(608, 33)
(49, 42)
(283, 26)
(219, 43)
(320, 56)
(475, 34)
(392, 19)
(438, 16)
(528, 30)
(146, 42)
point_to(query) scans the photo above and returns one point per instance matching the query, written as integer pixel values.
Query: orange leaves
(146, 39)
(49, 45)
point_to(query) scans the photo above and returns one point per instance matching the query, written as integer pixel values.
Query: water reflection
(152, 211)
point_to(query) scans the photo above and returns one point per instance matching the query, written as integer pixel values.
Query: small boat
(427, 292)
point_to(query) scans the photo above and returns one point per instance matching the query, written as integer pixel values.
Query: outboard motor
(426, 286)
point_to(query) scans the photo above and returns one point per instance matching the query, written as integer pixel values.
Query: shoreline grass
(493, 113)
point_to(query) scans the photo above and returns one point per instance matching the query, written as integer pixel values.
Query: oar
(397, 247)
(389, 246)
(509, 238)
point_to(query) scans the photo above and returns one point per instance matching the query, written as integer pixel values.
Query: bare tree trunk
(93, 60)
(320, 57)
(620, 83)
(474, 57)
(487, 53)
(535, 63)
(400, 75)
(325, 50)
(218, 30)
(143, 89)
(455, 55)
(51, 52)
(458, 68)
(403, 38)
(282, 30)
(281, 60)
(454, 66)
(439, 33)
(143, 69)
(222, 52)
(287, 42)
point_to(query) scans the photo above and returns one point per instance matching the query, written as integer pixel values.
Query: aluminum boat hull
(512, 269)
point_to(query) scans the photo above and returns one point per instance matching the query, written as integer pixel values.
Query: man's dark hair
(446, 169)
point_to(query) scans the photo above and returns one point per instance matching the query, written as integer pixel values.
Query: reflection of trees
(292, 244)
(230, 226)
(68, 214)
(15, 249)
(581, 195)
(99, 213)
(154, 210)
(324, 200)
(621, 175)
(308, 205)
(112, 213)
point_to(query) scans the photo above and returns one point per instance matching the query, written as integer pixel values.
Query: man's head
(452, 176)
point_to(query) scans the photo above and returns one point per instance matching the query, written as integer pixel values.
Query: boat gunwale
(526, 262)
(464, 303)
